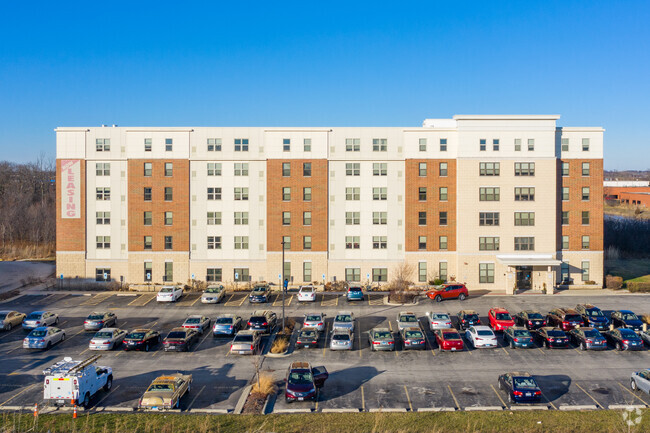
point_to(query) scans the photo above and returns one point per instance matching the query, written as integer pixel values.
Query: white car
(438, 320)
(307, 294)
(213, 294)
(344, 320)
(169, 294)
(314, 320)
(481, 337)
(407, 319)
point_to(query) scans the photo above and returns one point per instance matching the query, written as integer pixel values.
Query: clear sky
(217, 63)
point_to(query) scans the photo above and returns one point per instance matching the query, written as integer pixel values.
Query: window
(352, 144)
(442, 240)
(379, 242)
(103, 242)
(422, 193)
(524, 218)
(352, 242)
(147, 271)
(379, 169)
(486, 272)
(423, 144)
(213, 274)
(422, 242)
(379, 193)
(352, 169)
(352, 193)
(169, 272)
(241, 193)
(147, 146)
(287, 270)
(442, 271)
(214, 242)
(306, 169)
(102, 274)
(585, 271)
(488, 244)
(168, 144)
(517, 144)
(482, 144)
(565, 218)
(531, 144)
(168, 243)
(286, 218)
(286, 169)
(422, 218)
(214, 169)
(488, 218)
(422, 170)
(103, 194)
(422, 271)
(147, 193)
(103, 144)
(286, 193)
(585, 218)
(214, 218)
(379, 144)
(564, 272)
(306, 194)
(443, 193)
(443, 144)
(241, 169)
(169, 193)
(169, 169)
(353, 274)
(585, 242)
(379, 274)
(214, 193)
(489, 193)
(148, 242)
(241, 218)
(103, 218)
(524, 194)
(524, 169)
(169, 218)
(585, 193)
(379, 218)
(287, 244)
(489, 168)
(103, 169)
(586, 168)
(147, 169)
(306, 143)
(241, 243)
(565, 193)
(306, 242)
(148, 218)
(585, 145)
(352, 218)
(286, 144)
(524, 244)
(565, 169)
(565, 242)
(565, 144)
(443, 169)
(306, 218)
(495, 144)
(214, 145)
(241, 274)
(443, 218)
(241, 144)
(306, 271)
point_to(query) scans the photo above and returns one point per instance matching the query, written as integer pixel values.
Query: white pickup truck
(75, 382)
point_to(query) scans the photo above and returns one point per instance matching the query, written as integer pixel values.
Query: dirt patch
(254, 403)
(9, 294)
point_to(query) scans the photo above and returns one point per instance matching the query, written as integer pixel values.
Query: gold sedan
(165, 392)
(9, 319)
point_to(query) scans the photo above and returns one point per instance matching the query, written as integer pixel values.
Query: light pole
(282, 283)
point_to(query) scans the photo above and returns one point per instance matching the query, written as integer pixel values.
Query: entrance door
(524, 277)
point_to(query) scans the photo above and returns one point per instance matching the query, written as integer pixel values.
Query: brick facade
(71, 233)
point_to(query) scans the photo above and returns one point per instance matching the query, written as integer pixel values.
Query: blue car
(355, 293)
(593, 317)
(521, 387)
(518, 337)
(627, 319)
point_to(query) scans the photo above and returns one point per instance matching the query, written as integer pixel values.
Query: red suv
(303, 380)
(448, 291)
(500, 319)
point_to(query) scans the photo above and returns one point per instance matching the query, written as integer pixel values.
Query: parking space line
(540, 349)
(408, 398)
(317, 396)
(429, 342)
(107, 394)
(390, 327)
(11, 332)
(633, 394)
(498, 395)
(97, 299)
(454, 397)
(195, 397)
(327, 334)
(242, 301)
(363, 400)
(360, 352)
(504, 349)
(16, 395)
(195, 301)
(590, 396)
(207, 334)
(549, 401)
(231, 296)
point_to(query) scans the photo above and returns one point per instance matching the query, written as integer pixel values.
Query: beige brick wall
(71, 264)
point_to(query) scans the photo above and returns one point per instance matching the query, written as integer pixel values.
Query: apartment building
(495, 201)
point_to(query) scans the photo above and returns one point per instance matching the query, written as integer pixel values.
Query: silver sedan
(438, 320)
(98, 320)
(640, 381)
(40, 318)
(213, 294)
(43, 337)
(342, 339)
(344, 320)
(107, 339)
(314, 320)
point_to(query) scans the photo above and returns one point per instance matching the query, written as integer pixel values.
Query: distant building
(636, 193)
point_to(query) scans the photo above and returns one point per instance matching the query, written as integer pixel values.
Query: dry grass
(266, 386)
(281, 344)
(24, 250)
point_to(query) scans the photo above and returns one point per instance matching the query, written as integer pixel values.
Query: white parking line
(195, 397)
(107, 394)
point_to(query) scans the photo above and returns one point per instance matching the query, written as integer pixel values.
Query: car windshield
(414, 334)
(224, 321)
(307, 289)
(176, 334)
(307, 334)
(341, 337)
(629, 316)
(193, 320)
(503, 316)
(104, 334)
(355, 289)
(573, 318)
(628, 333)
(3, 316)
(214, 290)
(166, 290)
(454, 335)
(593, 312)
(408, 318)
(471, 317)
(300, 377)
(534, 316)
(39, 333)
(343, 318)
(313, 318)
(259, 289)
(161, 387)
(96, 317)
(34, 316)
(382, 334)
(556, 333)
(246, 338)
(525, 382)
(592, 333)
(521, 333)
(135, 335)
(436, 316)
(485, 333)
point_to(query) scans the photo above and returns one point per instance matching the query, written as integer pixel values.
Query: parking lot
(360, 380)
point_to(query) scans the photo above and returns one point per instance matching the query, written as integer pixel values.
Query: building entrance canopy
(529, 260)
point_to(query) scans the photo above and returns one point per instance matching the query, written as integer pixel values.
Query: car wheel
(461, 297)
(500, 385)
(582, 346)
(56, 321)
(633, 385)
(512, 344)
(618, 346)
(8, 327)
(86, 402)
(63, 337)
(146, 347)
(510, 399)
(49, 344)
(438, 298)
(548, 345)
(109, 383)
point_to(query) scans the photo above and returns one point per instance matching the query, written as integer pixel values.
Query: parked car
(518, 337)
(448, 291)
(342, 339)
(197, 322)
(500, 319)
(107, 339)
(481, 337)
(624, 339)
(43, 337)
(302, 381)
(142, 339)
(246, 342)
(307, 337)
(226, 324)
(438, 320)
(165, 392)
(640, 381)
(564, 318)
(645, 336)
(213, 294)
(626, 319)
(180, 339)
(588, 338)
(467, 318)
(259, 294)
(169, 294)
(593, 317)
(314, 320)
(344, 320)
(449, 339)
(412, 338)
(9, 319)
(407, 319)
(550, 337)
(381, 339)
(306, 294)
(98, 320)
(530, 319)
(37, 319)
(355, 292)
(521, 387)
(262, 320)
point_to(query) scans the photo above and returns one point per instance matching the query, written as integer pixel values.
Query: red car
(500, 319)
(449, 339)
(448, 291)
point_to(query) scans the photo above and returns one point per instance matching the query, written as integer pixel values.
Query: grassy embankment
(637, 270)
(27, 251)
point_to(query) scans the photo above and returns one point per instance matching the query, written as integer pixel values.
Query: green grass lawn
(629, 269)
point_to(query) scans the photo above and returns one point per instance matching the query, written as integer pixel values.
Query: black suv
(262, 320)
(564, 318)
(467, 318)
(530, 319)
(593, 317)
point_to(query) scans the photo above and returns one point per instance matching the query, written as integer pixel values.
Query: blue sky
(322, 64)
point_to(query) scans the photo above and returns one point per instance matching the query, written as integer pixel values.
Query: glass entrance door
(524, 276)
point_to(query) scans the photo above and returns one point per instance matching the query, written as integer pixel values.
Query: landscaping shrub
(280, 344)
(265, 385)
(638, 287)
(614, 283)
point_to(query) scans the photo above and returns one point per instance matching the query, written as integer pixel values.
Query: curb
(482, 408)
(436, 409)
(393, 409)
(536, 407)
(242, 400)
(207, 410)
(626, 406)
(297, 410)
(578, 407)
(118, 409)
(341, 410)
